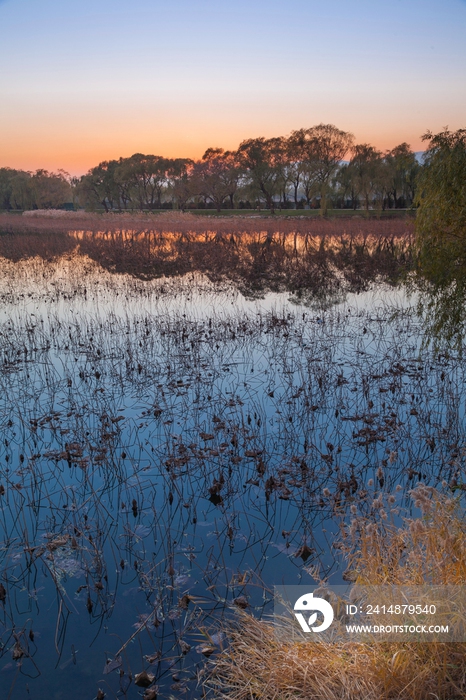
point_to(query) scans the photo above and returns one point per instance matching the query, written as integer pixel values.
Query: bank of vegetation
(306, 169)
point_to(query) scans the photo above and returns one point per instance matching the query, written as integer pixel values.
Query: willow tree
(366, 171)
(441, 238)
(51, 190)
(98, 187)
(263, 161)
(441, 201)
(216, 177)
(322, 148)
(145, 178)
(402, 170)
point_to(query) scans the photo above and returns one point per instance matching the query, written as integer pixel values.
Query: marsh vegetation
(192, 411)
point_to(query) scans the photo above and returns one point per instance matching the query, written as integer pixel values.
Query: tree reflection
(443, 310)
(312, 260)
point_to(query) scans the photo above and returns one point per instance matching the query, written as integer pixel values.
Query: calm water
(171, 449)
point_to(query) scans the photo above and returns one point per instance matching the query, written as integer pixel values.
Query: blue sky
(82, 82)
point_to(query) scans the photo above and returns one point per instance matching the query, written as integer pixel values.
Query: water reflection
(170, 451)
(312, 260)
(443, 310)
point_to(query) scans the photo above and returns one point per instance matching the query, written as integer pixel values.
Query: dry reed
(179, 222)
(260, 664)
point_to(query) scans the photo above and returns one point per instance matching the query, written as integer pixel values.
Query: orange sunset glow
(73, 97)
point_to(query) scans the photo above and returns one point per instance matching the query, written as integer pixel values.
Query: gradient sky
(86, 81)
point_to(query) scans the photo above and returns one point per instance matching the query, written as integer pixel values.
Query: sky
(82, 82)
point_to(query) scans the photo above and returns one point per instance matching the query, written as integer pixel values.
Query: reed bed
(43, 221)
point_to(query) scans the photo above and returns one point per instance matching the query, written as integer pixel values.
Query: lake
(187, 420)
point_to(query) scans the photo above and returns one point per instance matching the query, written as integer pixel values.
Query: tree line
(305, 169)
(20, 189)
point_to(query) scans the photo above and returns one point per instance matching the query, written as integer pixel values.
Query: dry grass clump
(430, 550)
(260, 663)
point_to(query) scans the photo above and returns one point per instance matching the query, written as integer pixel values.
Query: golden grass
(428, 550)
(262, 664)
